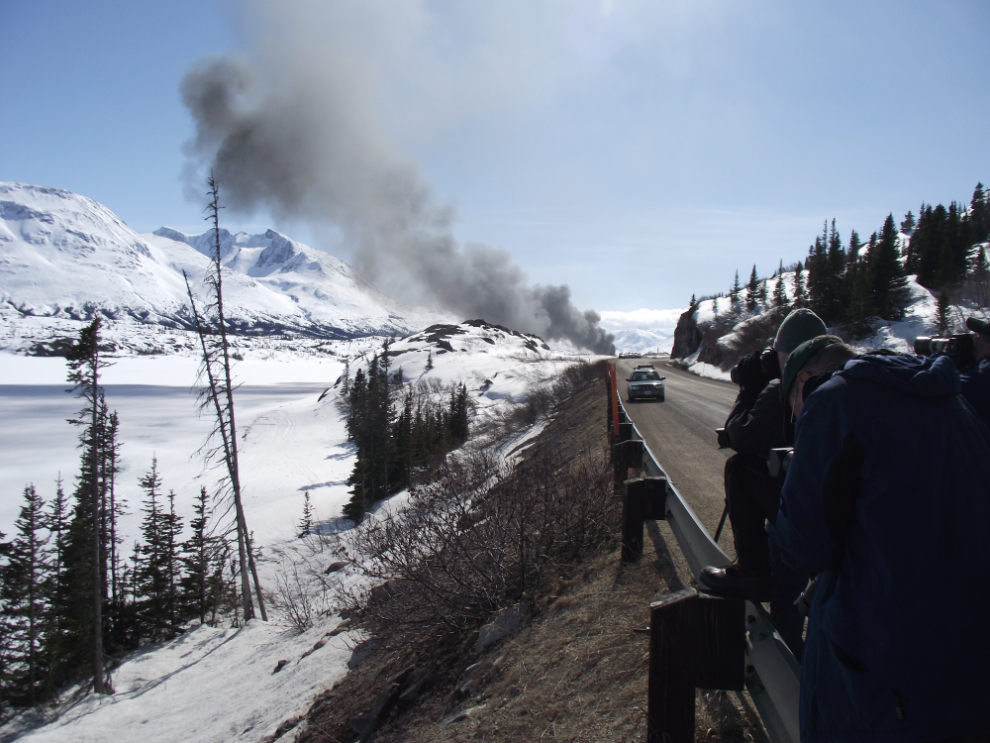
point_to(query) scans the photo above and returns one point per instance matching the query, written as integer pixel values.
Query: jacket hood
(913, 375)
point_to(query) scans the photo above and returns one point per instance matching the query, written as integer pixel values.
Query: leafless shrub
(304, 589)
(293, 599)
(482, 536)
(543, 401)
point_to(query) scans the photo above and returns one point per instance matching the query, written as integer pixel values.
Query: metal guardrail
(772, 673)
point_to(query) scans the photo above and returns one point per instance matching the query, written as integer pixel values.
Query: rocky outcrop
(687, 335)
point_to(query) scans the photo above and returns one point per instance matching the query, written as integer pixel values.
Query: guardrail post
(625, 431)
(721, 643)
(645, 498)
(608, 396)
(625, 454)
(673, 652)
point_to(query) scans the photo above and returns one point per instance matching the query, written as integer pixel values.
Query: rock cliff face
(687, 336)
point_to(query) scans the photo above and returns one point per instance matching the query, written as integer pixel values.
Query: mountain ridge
(65, 256)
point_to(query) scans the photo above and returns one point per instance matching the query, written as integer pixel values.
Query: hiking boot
(735, 581)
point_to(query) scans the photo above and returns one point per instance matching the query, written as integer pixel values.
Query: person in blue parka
(976, 379)
(887, 502)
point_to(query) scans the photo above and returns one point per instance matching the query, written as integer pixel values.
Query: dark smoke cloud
(298, 136)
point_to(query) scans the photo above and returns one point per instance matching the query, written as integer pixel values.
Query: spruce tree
(890, 286)
(979, 279)
(306, 522)
(908, 223)
(23, 594)
(172, 530)
(979, 215)
(752, 290)
(852, 254)
(116, 506)
(779, 292)
(836, 287)
(151, 578)
(736, 288)
(85, 366)
(800, 295)
(56, 523)
(200, 559)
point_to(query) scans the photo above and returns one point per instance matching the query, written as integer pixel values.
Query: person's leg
(783, 612)
(751, 495)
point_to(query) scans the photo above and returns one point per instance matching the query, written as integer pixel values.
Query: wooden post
(673, 650)
(625, 431)
(625, 454)
(645, 498)
(721, 643)
(608, 394)
(614, 393)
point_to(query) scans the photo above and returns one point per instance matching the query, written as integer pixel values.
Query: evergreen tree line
(856, 283)
(397, 430)
(70, 602)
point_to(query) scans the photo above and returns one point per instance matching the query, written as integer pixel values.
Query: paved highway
(681, 434)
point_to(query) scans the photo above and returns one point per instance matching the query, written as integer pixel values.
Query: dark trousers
(754, 498)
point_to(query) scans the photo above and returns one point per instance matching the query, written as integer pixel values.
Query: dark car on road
(645, 383)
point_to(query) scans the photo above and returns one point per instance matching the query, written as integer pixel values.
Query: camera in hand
(959, 348)
(756, 370)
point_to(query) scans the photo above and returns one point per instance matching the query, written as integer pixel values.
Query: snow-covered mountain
(642, 330)
(643, 341)
(67, 257)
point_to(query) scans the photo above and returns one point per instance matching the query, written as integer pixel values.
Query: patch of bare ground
(576, 671)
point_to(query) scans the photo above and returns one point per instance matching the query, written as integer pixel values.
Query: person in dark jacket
(887, 502)
(755, 426)
(976, 379)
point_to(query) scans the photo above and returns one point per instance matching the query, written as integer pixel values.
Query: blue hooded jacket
(976, 389)
(887, 500)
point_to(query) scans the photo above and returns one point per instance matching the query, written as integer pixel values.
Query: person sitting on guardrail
(887, 501)
(754, 427)
(976, 379)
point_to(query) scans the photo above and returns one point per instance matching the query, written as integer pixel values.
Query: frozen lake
(289, 441)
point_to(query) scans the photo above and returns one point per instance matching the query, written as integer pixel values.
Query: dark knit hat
(978, 326)
(801, 356)
(799, 326)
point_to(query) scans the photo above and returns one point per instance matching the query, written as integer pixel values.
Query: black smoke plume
(298, 135)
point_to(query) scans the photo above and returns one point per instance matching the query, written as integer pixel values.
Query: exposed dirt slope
(576, 672)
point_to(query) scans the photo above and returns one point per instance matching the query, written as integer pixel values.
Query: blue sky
(638, 151)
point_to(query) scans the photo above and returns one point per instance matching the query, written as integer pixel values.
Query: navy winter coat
(887, 499)
(976, 388)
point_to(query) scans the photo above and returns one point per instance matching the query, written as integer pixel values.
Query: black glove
(770, 362)
(749, 374)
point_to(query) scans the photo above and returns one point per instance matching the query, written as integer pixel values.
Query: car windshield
(643, 376)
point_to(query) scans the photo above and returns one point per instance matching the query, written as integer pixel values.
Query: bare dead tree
(218, 395)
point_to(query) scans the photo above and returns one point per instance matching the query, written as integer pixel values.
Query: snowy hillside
(294, 441)
(64, 258)
(920, 319)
